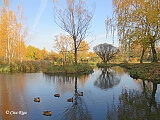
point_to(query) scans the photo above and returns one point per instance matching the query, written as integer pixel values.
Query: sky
(42, 28)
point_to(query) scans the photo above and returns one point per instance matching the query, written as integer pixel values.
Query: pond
(107, 94)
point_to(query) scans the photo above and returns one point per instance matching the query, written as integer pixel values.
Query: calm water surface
(104, 96)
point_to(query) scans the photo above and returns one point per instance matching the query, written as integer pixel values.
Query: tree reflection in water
(137, 105)
(107, 79)
(12, 89)
(78, 110)
(62, 84)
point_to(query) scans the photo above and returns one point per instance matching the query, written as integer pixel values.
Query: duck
(80, 94)
(37, 99)
(57, 95)
(47, 113)
(70, 99)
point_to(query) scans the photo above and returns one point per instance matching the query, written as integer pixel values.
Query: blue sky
(42, 29)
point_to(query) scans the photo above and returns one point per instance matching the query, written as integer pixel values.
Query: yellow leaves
(83, 50)
(36, 54)
(137, 12)
(63, 43)
(11, 35)
(122, 4)
(83, 46)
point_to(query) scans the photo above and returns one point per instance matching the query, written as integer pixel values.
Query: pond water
(107, 94)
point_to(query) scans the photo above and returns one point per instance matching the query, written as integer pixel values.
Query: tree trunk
(75, 50)
(154, 54)
(152, 102)
(76, 85)
(76, 92)
(75, 55)
(143, 51)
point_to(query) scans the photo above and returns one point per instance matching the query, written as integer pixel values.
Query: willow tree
(75, 20)
(138, 20)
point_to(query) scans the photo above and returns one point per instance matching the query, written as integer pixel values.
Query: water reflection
(78, 110)
(119, 71)
(139, 99)
(12, 93)
(83, 79)
(135, 105)
(64, 83)
(107, 79)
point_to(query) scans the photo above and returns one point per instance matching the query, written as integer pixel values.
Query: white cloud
(42, 7)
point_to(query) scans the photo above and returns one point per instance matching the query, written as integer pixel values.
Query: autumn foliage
(12, 34)
(137, 24)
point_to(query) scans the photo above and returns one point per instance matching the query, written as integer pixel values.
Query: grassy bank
(103, 65)
(145, 71)
(69, 69)
(45, 66)
(24, 67)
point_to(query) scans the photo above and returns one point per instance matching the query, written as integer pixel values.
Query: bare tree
(64, 44)
(75, 20)
(105, 51)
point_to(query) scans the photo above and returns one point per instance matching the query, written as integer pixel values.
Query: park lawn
(144, 71)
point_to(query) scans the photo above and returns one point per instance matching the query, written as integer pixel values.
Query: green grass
(24, 67)
(145, 71)
(103, 65)
(45, 66)
(69, 69)
(4, 69)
